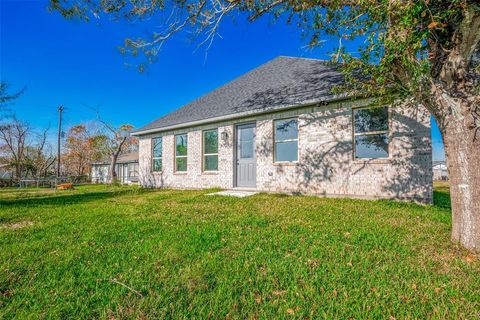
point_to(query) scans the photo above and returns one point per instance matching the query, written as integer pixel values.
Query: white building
(440, 171)
(127, 169)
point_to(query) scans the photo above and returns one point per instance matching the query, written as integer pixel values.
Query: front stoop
(233, 193)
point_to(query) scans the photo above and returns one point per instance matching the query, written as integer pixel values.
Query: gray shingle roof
(280, 83)
(123, 158)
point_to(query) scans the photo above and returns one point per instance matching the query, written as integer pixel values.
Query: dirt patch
(17, 225)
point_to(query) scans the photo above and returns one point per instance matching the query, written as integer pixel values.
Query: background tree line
(26, 152)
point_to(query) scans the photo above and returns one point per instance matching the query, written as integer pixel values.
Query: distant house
(127, 169)
(440, 171)
(281, 128)
(6, 176)
(5, 171)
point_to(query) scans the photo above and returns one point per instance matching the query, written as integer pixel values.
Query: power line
(60, 110)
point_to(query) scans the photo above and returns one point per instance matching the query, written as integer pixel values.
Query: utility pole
(60, 110)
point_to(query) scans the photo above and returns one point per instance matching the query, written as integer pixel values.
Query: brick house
(280, 128)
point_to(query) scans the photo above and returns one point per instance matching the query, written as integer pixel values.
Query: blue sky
(77, 64)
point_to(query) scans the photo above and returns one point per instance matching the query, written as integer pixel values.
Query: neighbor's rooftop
(123, 158)
(278, 84)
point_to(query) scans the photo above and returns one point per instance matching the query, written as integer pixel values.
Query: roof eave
(334, 98)
(118, 162)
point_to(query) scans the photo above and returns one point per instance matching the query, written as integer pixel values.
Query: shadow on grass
(441, 199)
(60, 199)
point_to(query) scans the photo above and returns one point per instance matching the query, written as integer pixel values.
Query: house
(6, 176)
(127, 169)
(5, 171)
(440, 171)
(280, 128)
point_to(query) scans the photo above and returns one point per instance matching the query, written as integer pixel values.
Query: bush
(116, 182)
(6, 183)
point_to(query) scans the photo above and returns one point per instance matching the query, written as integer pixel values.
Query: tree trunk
(115, 154)
(18, 170)
(461, 135)
(463, 161)
(113, 164)
(455, 103)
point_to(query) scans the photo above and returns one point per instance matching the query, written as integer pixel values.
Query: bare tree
(119, 140)
(13, 136)
(27, 151)
(39, 157)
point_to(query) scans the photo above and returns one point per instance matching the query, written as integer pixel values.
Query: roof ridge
(303, 58)
(282, 80)
(226, 84)
(249, 72)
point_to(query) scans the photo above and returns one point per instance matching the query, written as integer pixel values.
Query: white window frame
(204, 155)
(135, 169)
(157, 158)
(175, 153)
(355, 134)
(275, 141)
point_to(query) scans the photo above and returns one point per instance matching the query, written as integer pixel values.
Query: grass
(123, 252)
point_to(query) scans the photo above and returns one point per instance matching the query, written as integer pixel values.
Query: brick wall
(326, 165)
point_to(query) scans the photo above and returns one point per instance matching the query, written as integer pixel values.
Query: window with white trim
(133, 170)
(181, 145)
(210, 150)
(286, 140)
(371, 132)
(157, 149)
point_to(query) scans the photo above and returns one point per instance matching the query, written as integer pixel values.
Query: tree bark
(463, 161)
(455, 104)
(18, 171)
(460, 128)
(113, 164)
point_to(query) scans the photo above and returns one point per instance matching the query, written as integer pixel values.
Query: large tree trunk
(460, 128)
(463, 161)
(455, 103)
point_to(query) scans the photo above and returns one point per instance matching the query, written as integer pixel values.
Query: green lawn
(122, 252)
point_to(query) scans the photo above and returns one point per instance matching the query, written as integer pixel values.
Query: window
(181, 152)
(133, 170)
(157, 154)
(210, 150)
(370, 132)
(286, 140)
